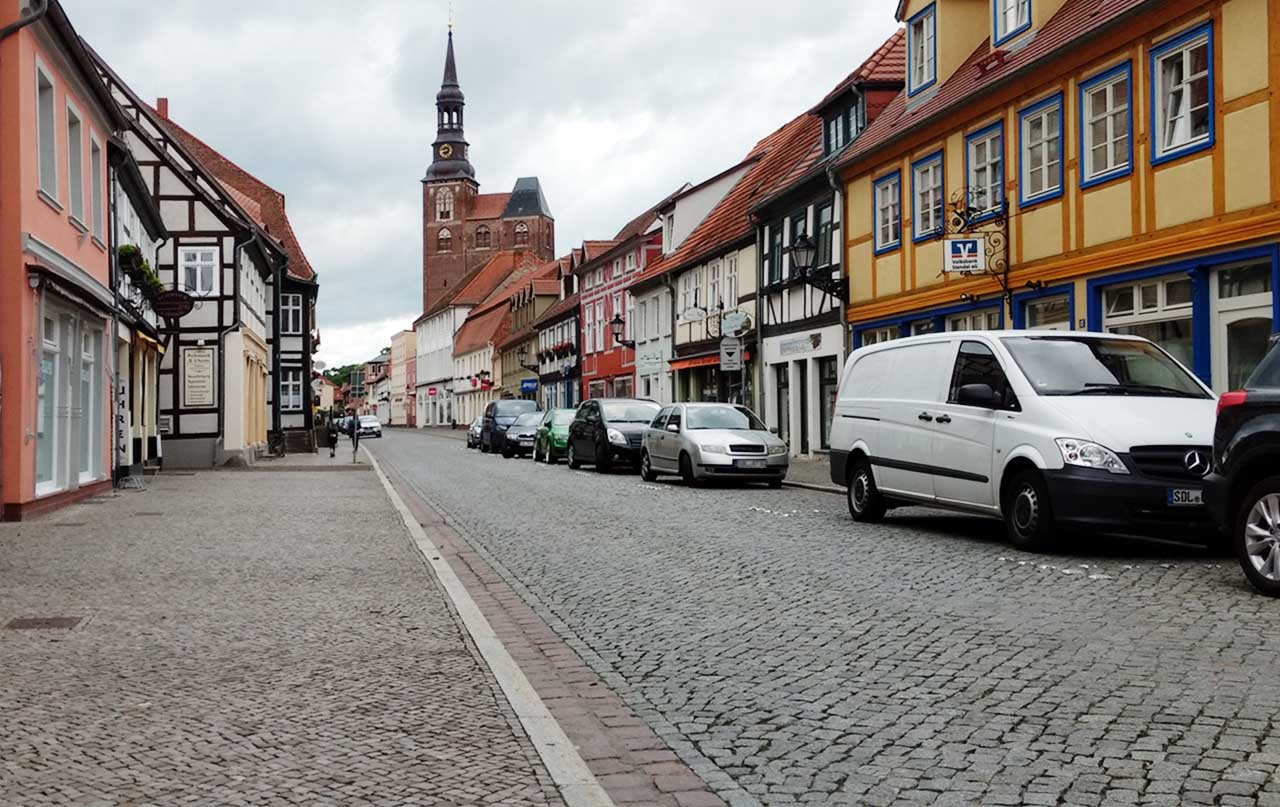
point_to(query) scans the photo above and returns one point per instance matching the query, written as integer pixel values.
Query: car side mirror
(773, 430)
(673, 428)
(980, 395)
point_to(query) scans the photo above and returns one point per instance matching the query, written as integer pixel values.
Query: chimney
(162, 107)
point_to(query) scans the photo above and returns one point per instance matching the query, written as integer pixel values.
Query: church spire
(449, 152)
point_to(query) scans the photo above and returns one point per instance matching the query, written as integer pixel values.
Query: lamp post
(618, 325)
(522, 355)
(803, 254)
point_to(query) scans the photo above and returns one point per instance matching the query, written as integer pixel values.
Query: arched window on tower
(444, 205)
(522, 234)
(444, 240)
(484, 239)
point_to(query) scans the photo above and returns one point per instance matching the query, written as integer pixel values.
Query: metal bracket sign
(731, 354)
(965, 255)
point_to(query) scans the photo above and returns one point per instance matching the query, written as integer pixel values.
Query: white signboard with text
(965, 255)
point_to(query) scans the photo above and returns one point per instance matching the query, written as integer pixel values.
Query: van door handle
(944, 418)
(925, 416)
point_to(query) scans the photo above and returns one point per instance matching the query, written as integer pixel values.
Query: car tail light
(1229, 399)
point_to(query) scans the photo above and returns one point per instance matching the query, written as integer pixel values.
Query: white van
(1043, 429)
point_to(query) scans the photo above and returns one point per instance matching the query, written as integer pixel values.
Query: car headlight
(713, 448)
(777, 451)
(617, 438)
(1084, 454)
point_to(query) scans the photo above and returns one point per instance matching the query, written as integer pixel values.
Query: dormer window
(922, 48)
(1012, 18)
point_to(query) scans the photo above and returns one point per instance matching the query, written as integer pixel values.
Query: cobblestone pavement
(790, 656)
(249, 639)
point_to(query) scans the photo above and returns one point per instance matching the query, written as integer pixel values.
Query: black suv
(498, 417)
(1244, 491)
(608, 431)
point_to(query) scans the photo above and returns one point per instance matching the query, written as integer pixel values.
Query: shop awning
(712, 360)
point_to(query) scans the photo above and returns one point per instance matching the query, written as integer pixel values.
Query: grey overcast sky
(611, 104)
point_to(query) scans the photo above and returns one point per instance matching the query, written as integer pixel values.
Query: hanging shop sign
(965, 255)
(172, 304)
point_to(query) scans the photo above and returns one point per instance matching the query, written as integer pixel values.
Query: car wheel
(603, 464)
(1028, 514)
(865, 502)
(507, 453)
(1257, 536)
(686, 470)
(573, 457)
(775, 483)
(646, 468)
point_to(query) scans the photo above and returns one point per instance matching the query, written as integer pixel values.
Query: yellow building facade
(1118, 164)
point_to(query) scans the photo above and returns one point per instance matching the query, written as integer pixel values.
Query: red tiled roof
(480, 330)
(554, 313)
(1074, 22)
(270, 201)
(546, 286)
(250, 206)
(488, 206)
(728, 221)
(475, 287)
(888, 64)
(594, 249)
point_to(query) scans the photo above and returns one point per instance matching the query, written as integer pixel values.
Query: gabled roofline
(676, 197)
(84, 59)
(135, 187)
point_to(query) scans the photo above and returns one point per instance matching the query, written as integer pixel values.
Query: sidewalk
(814, 474)
(246, 638)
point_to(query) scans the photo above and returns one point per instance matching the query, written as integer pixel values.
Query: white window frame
(1117, 114)
(92, 410)
(630, 315)
(1048, 114)
(75, 164)
(926, 194)
(631, 262)
(1165, 121)
(600, 326)
(985, 319)
(922, 50)
(291, 399)
(291, 314)
(987, 175)
(1012, 17)
(617, 267)
(185, 262)
(888, 204)
(47, 135)
(95, 186)
(875, 336)
(731, 281)
(686, 285)
(713, 286)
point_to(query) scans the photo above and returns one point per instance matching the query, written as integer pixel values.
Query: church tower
(448, 192)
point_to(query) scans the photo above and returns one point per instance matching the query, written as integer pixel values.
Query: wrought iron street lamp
(618, 325)
(522, 356)
(803, 254)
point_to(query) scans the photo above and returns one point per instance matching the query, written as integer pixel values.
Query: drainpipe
(33, 14)
(113, 277)
(834, 182)
(758, 399)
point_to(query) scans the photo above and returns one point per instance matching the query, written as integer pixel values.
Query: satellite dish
(319, 366)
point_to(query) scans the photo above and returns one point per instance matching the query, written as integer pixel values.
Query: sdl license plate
(756, 464)
(1179, 497)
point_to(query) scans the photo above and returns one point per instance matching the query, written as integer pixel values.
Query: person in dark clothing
(333, 436)
(353, 429)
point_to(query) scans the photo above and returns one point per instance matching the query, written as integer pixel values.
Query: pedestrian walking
(353, 424)
(333, 436)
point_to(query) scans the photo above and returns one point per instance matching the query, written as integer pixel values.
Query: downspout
(113, 277)
(34, 13)
(845, 268)
(236, 321)
(278, 272)
(757, 402)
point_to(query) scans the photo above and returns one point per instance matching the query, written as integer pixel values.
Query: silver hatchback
(712, 441)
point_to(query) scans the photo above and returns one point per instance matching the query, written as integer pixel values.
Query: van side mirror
(674, 428)
(980, 395)
(773, 430)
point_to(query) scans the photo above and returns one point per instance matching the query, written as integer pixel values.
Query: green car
(553, 435)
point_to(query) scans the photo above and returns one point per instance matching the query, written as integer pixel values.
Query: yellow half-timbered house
(1116, 162)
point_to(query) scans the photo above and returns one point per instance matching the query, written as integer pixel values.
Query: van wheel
(573, 457)
(865, 502)
(1257, 536)
(686, 470)
(1028, 514)
(646, 468)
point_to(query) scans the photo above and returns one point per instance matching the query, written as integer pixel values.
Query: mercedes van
(1045, 430)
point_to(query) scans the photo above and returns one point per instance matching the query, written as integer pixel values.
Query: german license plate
(751, 464)
(1181, 497)
(526, 442)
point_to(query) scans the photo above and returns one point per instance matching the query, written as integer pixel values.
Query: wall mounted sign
(731, 354)
(172, 304)
(735, 322)
(800, 344)
(529, 385)
(197, 378)
(431, 391)
(965, 255)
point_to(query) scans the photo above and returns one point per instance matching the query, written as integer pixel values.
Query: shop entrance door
(803, 378)
(781, 372)
(1242, 322)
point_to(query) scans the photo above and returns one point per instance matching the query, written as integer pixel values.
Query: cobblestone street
(248, 638)
(789, 656)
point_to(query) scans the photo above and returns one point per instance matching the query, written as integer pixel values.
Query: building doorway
(802, 373)
(782, 372)
(1242, 321)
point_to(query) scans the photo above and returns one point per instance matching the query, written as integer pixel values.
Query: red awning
(702, 361)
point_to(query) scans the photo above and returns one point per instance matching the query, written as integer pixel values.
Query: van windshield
(1077, 365)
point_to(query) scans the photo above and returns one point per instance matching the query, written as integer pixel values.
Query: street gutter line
(577, 784)
(810, 486)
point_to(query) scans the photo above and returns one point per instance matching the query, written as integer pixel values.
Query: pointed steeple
(449, 152)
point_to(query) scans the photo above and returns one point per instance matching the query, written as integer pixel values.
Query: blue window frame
(934, 318)
(886, 212)
(984, 170)
(1182, 84)
(922, 49)
(1106, 126)
(1008, 19)
(928, 196)
(1040, 154)
(1021, 299)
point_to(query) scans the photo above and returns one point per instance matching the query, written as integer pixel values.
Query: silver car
(712, 441)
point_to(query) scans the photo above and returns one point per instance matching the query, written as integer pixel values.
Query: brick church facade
(461, 227)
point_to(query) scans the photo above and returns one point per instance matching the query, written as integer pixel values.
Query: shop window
(1182, 94)
(90, 406)
(926, 192)
(888, 224)
(974, 321)
(922, 327)
(828, 386)
(985, 170)
(1158, 310)
(1041, 146)
(1241, 281)
(48, 401)
(922, 49)
(1106, 104)
(1049, 313)
(782, 378)
(875, 336)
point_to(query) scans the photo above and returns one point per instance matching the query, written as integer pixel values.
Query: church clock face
(446, 151)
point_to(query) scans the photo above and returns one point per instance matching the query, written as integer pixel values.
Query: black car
(1243, 492)
(498, 417)
(520, 436)
(609, 431)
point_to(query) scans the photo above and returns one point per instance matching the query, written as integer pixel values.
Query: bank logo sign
(965, 255)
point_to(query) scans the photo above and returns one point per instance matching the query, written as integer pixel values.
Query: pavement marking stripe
(578, 785)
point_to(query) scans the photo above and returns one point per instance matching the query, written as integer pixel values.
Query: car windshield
(531, 419)
(510, 409)
(1267, 376)
(368, 420)
(564, 417)
(1067, 365)
(629, 411)
(722, 417)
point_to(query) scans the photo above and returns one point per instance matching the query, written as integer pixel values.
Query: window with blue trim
(926, 194)
(922, 48)
(1041, 150)
(1012, 18)
(985, 170)
(888, 194)
(1182, 94)
(1106, 144)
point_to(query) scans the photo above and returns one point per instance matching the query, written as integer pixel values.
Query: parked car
(473, 433)
(1243, 492)
(553, 435)
(370, 426)
(608, 431)
(519, 438)
(498, 417)
(712, 441)
(1045, 430)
